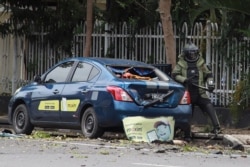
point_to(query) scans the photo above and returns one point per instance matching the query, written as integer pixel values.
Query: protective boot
(187, 132)
(209, 109)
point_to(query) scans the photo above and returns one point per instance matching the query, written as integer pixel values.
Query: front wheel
(89, 124)
(21, 121)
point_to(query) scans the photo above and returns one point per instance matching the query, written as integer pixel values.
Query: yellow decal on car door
(49, 105)
(69, 105)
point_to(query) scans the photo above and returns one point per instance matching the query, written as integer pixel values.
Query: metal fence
(228, 62)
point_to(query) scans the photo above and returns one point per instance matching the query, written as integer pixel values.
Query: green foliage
(55, 19)
(142, 12)
(58, 20)
(233, 16)
(240, 98)
(40, 135)
(189, 148)
(5, 28)
(181, 11)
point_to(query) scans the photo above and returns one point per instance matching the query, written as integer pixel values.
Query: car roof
(111, 61)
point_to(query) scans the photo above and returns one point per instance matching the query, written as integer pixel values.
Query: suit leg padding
(209, 109)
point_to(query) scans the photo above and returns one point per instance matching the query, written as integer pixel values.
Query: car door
(75, 91)
(45, 104)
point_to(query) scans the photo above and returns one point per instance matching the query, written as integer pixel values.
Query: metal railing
(35, 57)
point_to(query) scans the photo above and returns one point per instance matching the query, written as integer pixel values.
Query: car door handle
(56, 91)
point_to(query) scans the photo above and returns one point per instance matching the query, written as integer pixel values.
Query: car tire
(89, 124)
(21, 121)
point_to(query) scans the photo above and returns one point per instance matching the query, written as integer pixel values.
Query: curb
(237, 142)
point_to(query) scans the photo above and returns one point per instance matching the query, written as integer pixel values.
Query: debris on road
(8, 133)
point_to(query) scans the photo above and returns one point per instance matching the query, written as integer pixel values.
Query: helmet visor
(192, 55)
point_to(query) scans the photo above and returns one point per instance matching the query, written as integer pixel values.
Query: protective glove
(211, 88)
(188, 81)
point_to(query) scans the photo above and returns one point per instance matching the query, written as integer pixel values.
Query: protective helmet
(191, 52)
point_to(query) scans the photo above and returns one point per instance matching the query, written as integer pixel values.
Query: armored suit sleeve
(179, 72)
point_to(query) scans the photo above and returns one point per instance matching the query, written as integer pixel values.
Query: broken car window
(133, 72)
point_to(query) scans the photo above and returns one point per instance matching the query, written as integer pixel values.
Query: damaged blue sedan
(95, 95)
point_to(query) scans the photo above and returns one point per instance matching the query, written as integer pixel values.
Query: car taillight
(186, 99)
(118, 93)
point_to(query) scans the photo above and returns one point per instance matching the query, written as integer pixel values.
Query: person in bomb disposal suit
(193, 73)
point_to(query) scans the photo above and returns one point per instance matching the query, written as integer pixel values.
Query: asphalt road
(63, 151)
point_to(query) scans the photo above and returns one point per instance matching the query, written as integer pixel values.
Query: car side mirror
(37, 78)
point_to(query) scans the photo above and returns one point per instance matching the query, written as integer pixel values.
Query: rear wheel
(21, 120)
(89, 124)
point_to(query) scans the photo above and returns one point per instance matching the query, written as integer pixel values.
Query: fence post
(208, 42)
(106, 39)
